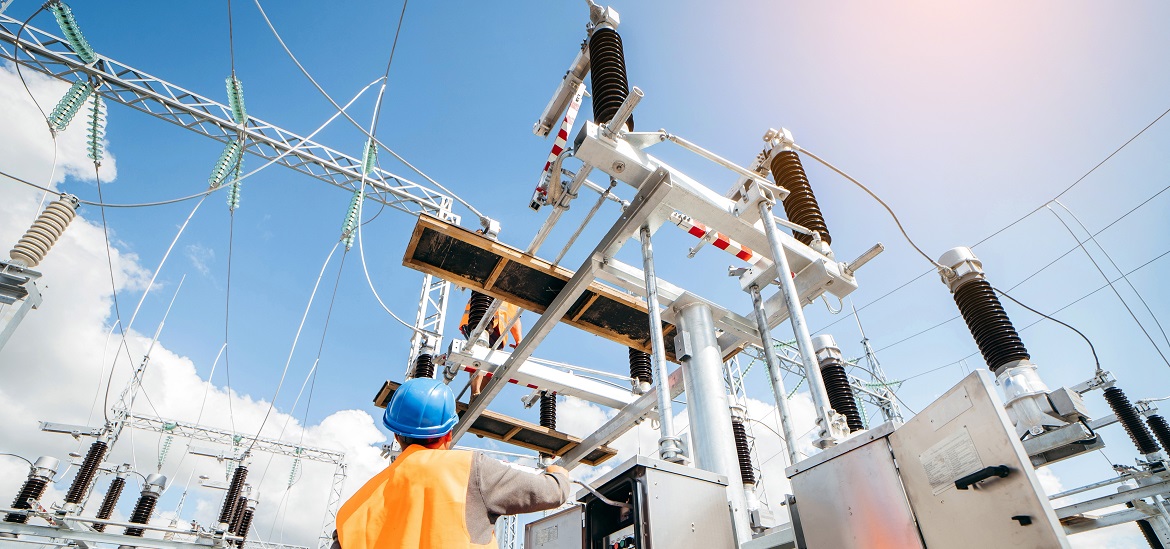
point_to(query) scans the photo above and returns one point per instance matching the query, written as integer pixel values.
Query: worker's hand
(555, 469)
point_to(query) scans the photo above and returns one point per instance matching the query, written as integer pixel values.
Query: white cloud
(200, 257)
(54, 365)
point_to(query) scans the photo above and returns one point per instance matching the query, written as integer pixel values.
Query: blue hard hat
(421, 408)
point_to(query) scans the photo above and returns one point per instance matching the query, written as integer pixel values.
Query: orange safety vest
(418, 502)
(503, 317)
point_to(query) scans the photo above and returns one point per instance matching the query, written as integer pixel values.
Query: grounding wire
(357, 124)
(1066, 325)
(293, 349)
(1111, 262)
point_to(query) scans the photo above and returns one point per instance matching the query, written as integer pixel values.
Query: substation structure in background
(71, 60)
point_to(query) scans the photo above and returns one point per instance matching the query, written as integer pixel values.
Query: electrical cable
(30, 464)
(146, 292)
(362, 183)
(1074, 302)
(602, 498)
(1114, 263)
(16, 61)
(1081, 178)
(1029, 214)
(1027, 278)
(227, 369)
(880, 201)
(1083, 336)
(293, 349)
(356, 124)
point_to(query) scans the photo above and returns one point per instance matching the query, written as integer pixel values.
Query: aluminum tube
(812, 373)
(774, 373)
(740, 170)
(557, 212)
(668, 446)
(624, 111)
(584, 222)
(707, 408)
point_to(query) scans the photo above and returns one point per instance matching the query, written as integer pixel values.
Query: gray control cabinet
(895, 485)
(670, 506)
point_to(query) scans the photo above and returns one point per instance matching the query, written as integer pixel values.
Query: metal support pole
(829, 434)
(707, 407)
(669, 447)
(774, 373)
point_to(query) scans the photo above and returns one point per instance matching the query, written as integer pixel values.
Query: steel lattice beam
(50, 55)
(220, 436)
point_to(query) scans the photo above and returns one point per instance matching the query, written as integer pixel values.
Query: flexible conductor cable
(357, 124)
(146, 292)
(293, 349)
(311, 376)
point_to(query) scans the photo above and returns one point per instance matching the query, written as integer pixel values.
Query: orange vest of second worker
(418, 502)
(504, 316)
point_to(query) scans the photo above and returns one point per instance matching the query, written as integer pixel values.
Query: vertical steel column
(827, 437)
(774, 373)
(707, 407)
(669, 448)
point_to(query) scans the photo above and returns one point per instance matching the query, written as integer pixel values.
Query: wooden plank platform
(507, 429)
(471, 260)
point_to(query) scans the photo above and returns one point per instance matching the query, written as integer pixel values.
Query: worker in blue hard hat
(432, 496)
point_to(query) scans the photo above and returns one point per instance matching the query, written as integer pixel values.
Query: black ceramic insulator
(997, 339)
(33, 489)
(89, 467)
(1130, 419)
(1147, 531)
(245, 524)
(801, 205)
(111, 500)
(477, 307)
(640, 368)
(424, 366)
(1150, 535)
(1161, 430)
(548, 410)
(743, 451)
(841, 395)
(142, 511)
(607, 73)
(233, 494)
(238, 515)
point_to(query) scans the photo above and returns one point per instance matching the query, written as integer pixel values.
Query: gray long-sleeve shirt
(496, 488)
(499, 489)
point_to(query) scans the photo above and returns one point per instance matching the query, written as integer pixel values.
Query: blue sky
(964, 119)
